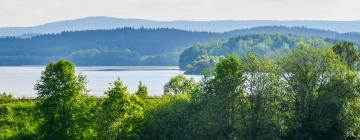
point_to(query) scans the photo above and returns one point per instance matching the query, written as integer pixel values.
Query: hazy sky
(34, 12)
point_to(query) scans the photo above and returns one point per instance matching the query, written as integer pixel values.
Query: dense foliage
(309, 93)
(179, 85)
(262, 45)
(202, 63)
(18, 119)
(120, 114)
(142, 90)
(63, 103)
(348, 53)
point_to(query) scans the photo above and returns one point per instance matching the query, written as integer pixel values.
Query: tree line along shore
(308, 93)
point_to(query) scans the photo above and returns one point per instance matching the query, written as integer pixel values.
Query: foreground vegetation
(310, 93)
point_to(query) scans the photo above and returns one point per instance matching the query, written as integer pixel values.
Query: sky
(34, 12)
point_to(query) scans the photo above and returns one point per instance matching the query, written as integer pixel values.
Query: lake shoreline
(98, 78)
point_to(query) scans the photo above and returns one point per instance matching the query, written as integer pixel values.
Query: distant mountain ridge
(94, 23)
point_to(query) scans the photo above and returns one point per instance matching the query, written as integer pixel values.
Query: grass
(18, 119)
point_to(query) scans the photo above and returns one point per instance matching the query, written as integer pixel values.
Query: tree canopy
(200, 57)
(307, 93)
(63, 102)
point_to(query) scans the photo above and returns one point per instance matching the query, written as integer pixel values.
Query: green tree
(63, 103)
(321, 86)
(202, 63)
(142, 90)
(222, 98)
(18, 120)
(265, 103)
(190, 55)
(120, 114)
(179, 85)
(168, 119)
(261, 44)
(350, 117)
(348, 53)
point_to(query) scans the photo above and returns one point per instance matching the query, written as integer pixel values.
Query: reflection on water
(20, 80)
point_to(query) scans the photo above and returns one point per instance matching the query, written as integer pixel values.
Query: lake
(20, 80)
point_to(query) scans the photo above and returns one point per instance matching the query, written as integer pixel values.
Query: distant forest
(124, 46)
(128, 46)
(198, 57)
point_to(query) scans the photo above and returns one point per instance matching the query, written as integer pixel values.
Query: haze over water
(20, 80)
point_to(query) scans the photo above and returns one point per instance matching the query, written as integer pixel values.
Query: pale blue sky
(34, 12)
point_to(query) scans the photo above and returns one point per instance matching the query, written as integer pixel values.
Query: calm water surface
(20, 80)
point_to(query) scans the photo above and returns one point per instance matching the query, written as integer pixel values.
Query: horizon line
(179, 20)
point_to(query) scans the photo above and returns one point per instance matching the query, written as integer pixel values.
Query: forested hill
(128, 46)
(201, 56)
(301, 31)
(125, 46)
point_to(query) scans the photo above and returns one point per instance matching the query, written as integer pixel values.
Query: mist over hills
(94, 23)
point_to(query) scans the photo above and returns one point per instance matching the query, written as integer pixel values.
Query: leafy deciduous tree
(348, 53)
(120, 114)
(179, 85)
(63, 103)
(223, 95)
(321, 85)
(266, 101)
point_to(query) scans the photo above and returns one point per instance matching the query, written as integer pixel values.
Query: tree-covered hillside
(301, 31)
(124, 46)
(261, 44)
(128, 46)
